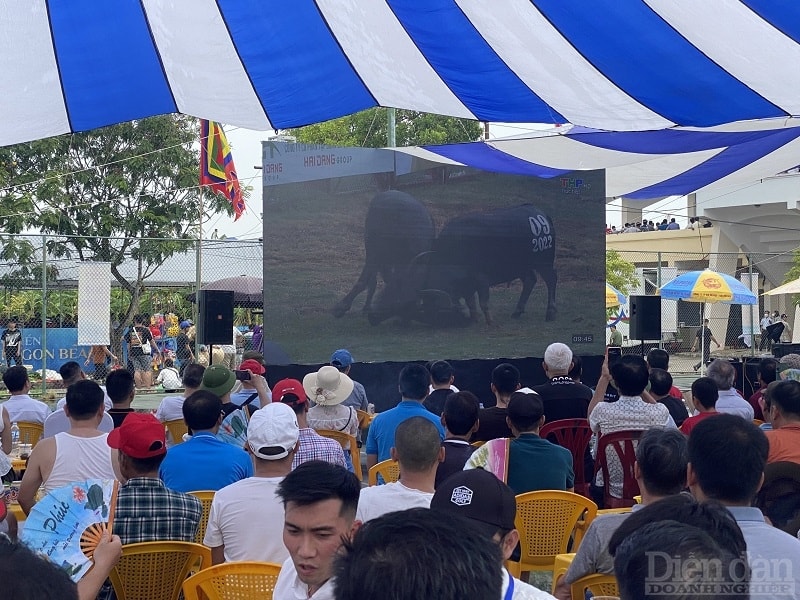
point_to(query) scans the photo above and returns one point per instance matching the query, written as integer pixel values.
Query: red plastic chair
(574, 435)
(623, 445)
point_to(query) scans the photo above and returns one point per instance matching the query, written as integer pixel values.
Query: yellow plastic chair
(364, 418)
(176, 429)
(346, 439)
(30, 432)
(546, 521)
(233, 581)
(388, 469)
(478, 443)
(205, 497)
(599, 584)
(758, 422)
(156, 570)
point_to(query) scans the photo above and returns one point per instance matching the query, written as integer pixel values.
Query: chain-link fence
(737, 328)
(155, 279)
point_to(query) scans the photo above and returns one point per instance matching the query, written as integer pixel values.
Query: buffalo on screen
(436, 262)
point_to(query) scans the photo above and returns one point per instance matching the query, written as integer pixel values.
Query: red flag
(216, 165)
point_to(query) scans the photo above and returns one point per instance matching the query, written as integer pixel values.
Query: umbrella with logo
(614, 297)
(707, 286)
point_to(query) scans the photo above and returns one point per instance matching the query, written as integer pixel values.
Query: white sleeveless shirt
(78, 459)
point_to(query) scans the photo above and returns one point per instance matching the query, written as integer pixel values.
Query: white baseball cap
(273, 431)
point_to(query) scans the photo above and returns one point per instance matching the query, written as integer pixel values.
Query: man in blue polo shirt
(414, 381)
(204, 462)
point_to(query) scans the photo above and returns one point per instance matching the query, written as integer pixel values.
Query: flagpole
(199, 261)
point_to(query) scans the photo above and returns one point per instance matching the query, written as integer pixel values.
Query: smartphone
(242, 375)
(614, 354)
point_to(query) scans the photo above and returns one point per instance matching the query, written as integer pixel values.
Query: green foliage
(121, 193)
(794, 273)
(368, 129)
(619, 272)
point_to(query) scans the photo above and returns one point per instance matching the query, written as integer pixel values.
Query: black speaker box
(215, 324)
(645, 318)
(781, 350)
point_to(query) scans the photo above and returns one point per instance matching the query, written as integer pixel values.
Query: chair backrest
(574, 435)
(599, 584)
(233, 581)
(176, 429)
(156, 570)
(206, 497)
(546, 521)
(30, 432)
(349, 444)
(478, 443)
(389, 470)
(619, 446)
(364, 418)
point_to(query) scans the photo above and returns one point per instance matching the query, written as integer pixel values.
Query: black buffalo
(472, 253)
(398, 227)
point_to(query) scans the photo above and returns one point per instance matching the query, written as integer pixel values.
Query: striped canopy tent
(624, 65)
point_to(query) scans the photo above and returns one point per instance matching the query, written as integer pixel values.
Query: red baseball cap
(253, 366)
(141, 435)
(289, 386)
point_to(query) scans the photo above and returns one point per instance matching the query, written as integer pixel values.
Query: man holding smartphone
(254, 391)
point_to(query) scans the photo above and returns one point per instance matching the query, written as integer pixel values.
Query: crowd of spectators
(664, 225)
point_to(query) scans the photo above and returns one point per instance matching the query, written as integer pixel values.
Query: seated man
(171, 407)
(767, 373)
(204, 462)
(418, 451)
(704, 398)
(630, 412)
(533, 463)
(491, 506)
(419, 553)
(660, 469)
(20, 406)
(312, 445)
(660, 386)
(442, 377)
(242, 523)
(659, 359)
(121, 388)
(319, 501)
(727, 456)
(460, 420)
(71, 372)
(493, 424)
(562, 397)
(722, 372)
(784, 438)
(81, 453)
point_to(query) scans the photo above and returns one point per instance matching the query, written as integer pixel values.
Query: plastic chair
(478, 443)
(364, 418)
(205, 497)
(574, 435)
(622, 446)
(156, 570)
(176, 428)
(233, 581)
(344, 439)
(546, 521)
(599, 584)
(388, 469)
(30, 432)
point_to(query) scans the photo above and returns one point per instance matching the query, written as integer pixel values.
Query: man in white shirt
(491, 505)
(20, 406)
(418, 449)
(320, 501)
(71, 372)
(243, 524)
(171, 407)
(81, 453)
(722, 372)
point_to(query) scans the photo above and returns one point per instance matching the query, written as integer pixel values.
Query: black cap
(479, 496)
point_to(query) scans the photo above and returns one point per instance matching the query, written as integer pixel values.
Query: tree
(619, 272)
(121, 193)
(368, 129)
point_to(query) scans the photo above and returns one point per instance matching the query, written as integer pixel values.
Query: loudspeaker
(645, 318)
(781, 350)
(215, 323)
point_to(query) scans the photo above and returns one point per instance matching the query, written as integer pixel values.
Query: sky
(246, 148)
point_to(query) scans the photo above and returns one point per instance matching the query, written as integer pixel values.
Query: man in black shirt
(505, 381)
(183, 347)
(660, 385)
(12, 343)
(442, 377)
(562, 396)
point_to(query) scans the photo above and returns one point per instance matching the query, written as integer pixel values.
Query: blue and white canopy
(625, 65)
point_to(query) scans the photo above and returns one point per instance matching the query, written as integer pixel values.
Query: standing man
(320, 502)
(11, 340)
(414, 381)
(183, 347)
(616, 337)
(708, 337)
(765, 322)
(343, 360)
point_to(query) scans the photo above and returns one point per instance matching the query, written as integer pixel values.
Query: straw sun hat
(328, 386)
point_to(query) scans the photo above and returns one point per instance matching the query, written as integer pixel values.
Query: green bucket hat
(218, 379)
